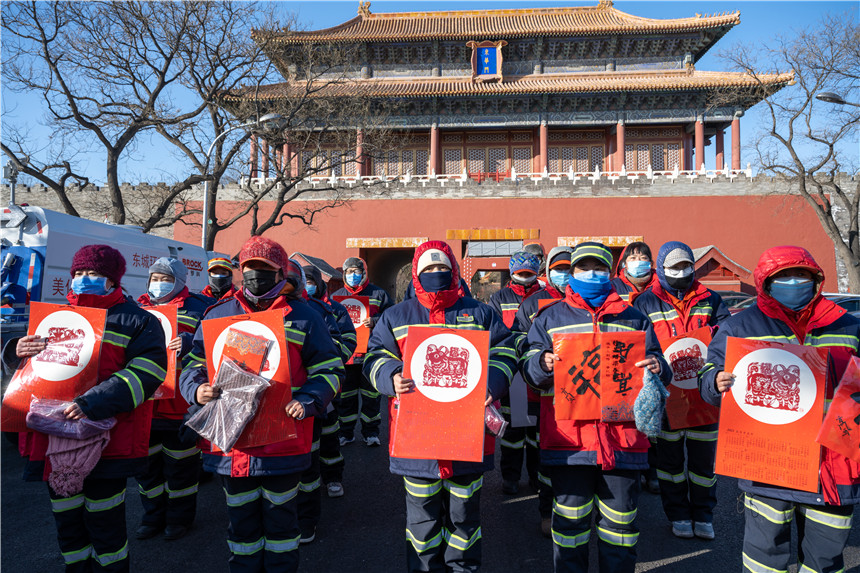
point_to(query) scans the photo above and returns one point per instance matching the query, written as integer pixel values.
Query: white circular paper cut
(686, 356)
(446, 367)
(70, 346)
(357, 311)
(165, 324)
(773, 386)
(273, 359)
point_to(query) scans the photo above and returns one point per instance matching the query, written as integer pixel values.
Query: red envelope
(166, 315)
(686, 354)
(840, 430)
(770, 417)
(443, 419)
(67, 368)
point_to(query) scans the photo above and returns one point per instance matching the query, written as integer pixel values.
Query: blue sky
(760, 23)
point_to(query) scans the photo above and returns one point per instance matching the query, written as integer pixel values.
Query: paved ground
(363, 531)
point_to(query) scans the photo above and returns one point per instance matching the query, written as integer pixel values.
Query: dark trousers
(310, 492)
(355, 385)
(443, 523)
(822, 532)
(168, 487)
(263, 534)
(331, 461)
(615, 495)
(515, 445)
(91, 526)
(688, 491)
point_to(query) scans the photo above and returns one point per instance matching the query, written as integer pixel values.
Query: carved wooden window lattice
(453, 161)
(522, 159)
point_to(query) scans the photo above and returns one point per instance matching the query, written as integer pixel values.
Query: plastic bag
(494, 421)
(650, 405)
(222, 420)
(46, 416)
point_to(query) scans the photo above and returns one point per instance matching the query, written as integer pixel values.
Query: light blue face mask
(354, 279)
(594, 277)
(89, 285)
(792, 292)
(312, 289)
(638, 269)
(161, 289)
(559, 278)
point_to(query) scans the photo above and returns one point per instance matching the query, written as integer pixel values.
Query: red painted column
(700, 144)
(264, 151)
(252, 167)
(720, 155)
(736, 143)
(359, 153)
(435, 150)
(285, 160)
(609, 164)
(544, 154)
(619, 146)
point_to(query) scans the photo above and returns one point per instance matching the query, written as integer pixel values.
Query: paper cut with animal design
(773, 386)
(64, 346)
(686, 362)
(446, 367)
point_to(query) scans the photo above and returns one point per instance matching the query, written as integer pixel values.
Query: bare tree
(805, 143)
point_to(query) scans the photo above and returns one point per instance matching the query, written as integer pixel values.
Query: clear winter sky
(761, 22)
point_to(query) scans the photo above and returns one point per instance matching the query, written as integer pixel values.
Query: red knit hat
(103, 259)
(262, 249)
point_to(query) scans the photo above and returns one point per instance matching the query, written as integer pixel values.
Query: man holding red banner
(91, 525)
(443, 523)
(676, 304)
(357, 283)
(261, 483)
(590, 461)
(168, 488)
(791, 309)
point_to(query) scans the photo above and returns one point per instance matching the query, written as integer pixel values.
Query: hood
(780, 258)
(661, 272)
(315, 274)
(442, 246)
(553, 252)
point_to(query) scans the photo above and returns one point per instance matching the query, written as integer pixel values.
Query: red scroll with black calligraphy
(841, 428)
(271, 423)
(358, 308)
(686, 355)
(166, 316)
(65, 369)
(772, 413)
(596, 378)
(443, 419)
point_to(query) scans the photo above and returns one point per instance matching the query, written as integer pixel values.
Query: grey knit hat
(172, 267)
(353, 262)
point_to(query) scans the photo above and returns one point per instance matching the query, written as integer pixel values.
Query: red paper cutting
(840, 430)
(358, 308)
(686, 354)
(167, 318)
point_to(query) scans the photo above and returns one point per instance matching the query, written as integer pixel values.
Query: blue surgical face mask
(594, 277)
(435, 281)
(312, 289)
(559, 278)
(354, 279)
(638, 269)
(792, 292)
(160, 289)
(89, 285)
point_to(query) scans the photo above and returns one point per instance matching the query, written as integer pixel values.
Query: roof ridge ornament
(604, 4)
(364, 8)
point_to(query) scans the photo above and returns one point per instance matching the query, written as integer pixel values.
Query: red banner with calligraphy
(443, 418)
(840, 430)
(271, 423)
(358, 308)
(772, 413)
(596, 378)
(65, 369)
(686, 354)
(167, 318)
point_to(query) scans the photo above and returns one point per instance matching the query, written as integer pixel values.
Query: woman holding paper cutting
(443, 524)
(261, 483)
(168, 488)
(790, 309)
(590, 460)
(91, 525)
(676, 304)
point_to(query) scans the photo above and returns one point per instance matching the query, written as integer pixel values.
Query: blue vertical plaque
(487, 61)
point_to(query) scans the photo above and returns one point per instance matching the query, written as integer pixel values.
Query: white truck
(36, 252)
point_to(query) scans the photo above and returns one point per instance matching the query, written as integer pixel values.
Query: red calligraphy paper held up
(577, 377)
(686, 354)
(167, 317)
(443, 418)
(67, 367)
(621, 379)
(840, 430)
(271, 423)
(358, 308)
(771, 416)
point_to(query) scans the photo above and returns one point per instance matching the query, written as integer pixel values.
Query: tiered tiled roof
(418, 87)
(498, 24)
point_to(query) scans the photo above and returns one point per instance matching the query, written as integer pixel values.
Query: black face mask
(259, 282)
(680, 284)
(220, 283)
